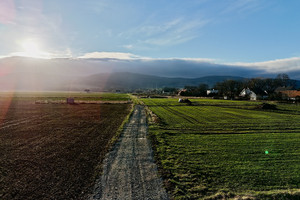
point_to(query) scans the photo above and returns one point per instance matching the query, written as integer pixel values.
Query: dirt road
(129, 171)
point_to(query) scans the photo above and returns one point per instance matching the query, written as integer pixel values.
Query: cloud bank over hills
(204, 65)
(195, 67)
(63, 72)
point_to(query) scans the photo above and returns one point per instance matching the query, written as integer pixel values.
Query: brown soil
(53, 151)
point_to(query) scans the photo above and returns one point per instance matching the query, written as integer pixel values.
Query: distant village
(279, 88)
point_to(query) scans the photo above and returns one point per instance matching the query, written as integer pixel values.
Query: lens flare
(266, 152)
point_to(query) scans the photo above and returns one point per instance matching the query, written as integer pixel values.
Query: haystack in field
(266, 106)
(185, 101)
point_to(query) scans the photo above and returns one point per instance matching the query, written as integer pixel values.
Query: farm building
(281, 89)
(291, 94)
(181, 92)
(247, 93)
(212, 92)
(70, 100)
(253, 96)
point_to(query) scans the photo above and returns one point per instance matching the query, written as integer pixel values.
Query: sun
(31, 48)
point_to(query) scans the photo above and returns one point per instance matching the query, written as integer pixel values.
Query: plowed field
(53, 151)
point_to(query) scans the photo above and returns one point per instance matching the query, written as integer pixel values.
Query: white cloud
(167, 33)
(130, 56)
(110, 55)
(67, 53)
(150, 30)
(44, 55)
(271, 66)
(97, 6)
(242, 6)
(199, 60)
(168, 40)
(128, 46)
(274, 66)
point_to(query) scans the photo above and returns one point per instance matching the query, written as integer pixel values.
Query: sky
(219, 31)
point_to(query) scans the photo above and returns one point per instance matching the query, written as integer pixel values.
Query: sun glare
(31, 48)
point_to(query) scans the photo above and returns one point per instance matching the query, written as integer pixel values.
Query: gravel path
(129, 171)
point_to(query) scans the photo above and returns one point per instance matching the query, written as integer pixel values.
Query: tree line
(232, 88)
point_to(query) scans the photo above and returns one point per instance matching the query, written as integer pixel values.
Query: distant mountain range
(123, 81)
(19, 73)
(131, 81)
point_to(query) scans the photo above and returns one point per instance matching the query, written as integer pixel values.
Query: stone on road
(129, 171)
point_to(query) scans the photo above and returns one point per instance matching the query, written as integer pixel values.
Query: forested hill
(123, 81)
(20, 73)
(131, 81)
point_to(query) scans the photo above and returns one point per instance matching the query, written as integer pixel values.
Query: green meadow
(218, 149)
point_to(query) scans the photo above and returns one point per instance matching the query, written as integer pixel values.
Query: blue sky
(225, 31)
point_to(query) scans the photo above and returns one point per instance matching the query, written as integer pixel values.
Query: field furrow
(54, 151)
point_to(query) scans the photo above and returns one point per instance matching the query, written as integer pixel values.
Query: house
(281, 89)
(259, 94)
(212, 92)
(291, 94)
(247, 93)
(253, 96)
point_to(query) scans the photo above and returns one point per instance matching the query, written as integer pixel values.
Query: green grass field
(220, 149)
